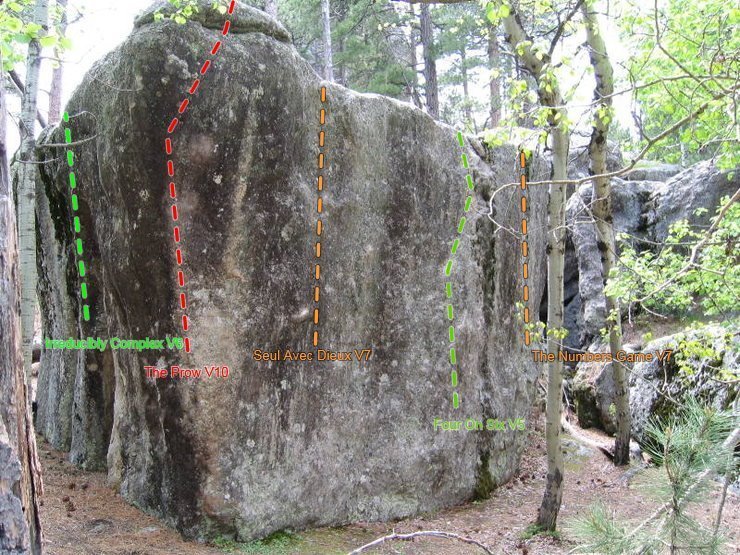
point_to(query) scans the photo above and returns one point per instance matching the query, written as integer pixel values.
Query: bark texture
(20, 479)
(328, 54)
(55, 92)
(494, 84)
(549, 95)
(26, 192)
(602, 211)
(431, 88)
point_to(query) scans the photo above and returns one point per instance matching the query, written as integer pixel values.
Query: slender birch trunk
(55, 92)
(602, 211)
(549, 96)
(27, 189)
(547, 514)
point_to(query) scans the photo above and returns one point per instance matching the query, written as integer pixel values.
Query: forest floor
(82, 516)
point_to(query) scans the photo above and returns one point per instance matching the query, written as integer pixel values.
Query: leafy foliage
(693, 49)
(17, 29)
(711, 283)
(186, 9)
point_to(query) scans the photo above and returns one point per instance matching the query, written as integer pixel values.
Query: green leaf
(48, 40)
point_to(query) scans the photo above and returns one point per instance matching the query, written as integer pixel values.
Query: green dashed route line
(81, 268)
(448, 273)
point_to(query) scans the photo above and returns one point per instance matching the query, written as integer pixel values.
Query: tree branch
(411, 536)
(650, 144)
(18, 82)
(729, 444)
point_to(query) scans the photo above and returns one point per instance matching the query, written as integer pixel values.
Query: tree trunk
(414, 92)
(469, 121)
(271, 8)
(602, 211)
(20, 479)
(550, 96)
(328, 58)
(27, 189)
(494, 55)
(430, 63)
(547, 515)
(55, 92)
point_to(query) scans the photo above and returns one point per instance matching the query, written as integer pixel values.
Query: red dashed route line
(168, 145)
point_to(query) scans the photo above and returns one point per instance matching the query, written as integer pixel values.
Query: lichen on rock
(277, 444)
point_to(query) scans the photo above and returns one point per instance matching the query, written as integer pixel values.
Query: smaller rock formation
(653, 171)
(658, 386)
(645, 211)
(586, 305)
(702, 186)
(655, 385)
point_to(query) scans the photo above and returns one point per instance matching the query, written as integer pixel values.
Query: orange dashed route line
(169, 149)
(525, 244)
(319, 210)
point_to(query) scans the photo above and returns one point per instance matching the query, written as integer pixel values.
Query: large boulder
(653, 171)
(278, 444)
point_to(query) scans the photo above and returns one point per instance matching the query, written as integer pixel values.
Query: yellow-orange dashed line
(525, 244)
(321, 162)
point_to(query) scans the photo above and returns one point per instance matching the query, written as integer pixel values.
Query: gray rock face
(594, 392)
(653, 384)
(656, 384)
(701, 186)
(586, 307)
(279, 444)
(645, 210)
(653, 171)
(14, 537)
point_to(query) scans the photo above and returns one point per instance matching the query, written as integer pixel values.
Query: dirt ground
(82, 516)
